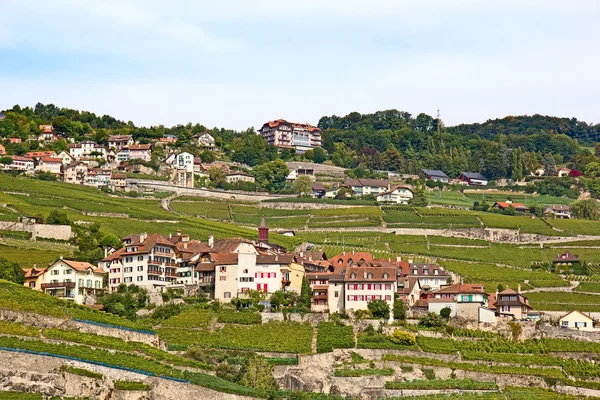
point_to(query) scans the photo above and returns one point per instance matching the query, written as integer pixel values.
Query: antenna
(439, 122)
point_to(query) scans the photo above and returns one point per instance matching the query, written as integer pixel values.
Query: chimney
(211, 240)
(398, 258)
(185, 238)
(352, 251)
(143, 236)
(497, 292)
(185, 245)
(519, 288)
(170, 235)
(61, 257)
(178, 232)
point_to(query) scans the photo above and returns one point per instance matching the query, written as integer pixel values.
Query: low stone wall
(56, 232)
(553, 332)
(313, 318)
(109, 215)
(216, 194)
(304, 206)
(43, 321)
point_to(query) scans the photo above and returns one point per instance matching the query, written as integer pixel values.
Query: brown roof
(83, 266)
(33, 272)
(114, 256)
(149, 243)
(566, 256)
(118, 176)
(394, 188)
(409, 269)
(119, 138)
(140, 147)
(409, 284)
(356, 257)
(421, 303)
(503, 205)
(377, 274)
(318, 275)
(52, 160)
(559, 207)
(519, 301)
(274, 259)
(458, 288)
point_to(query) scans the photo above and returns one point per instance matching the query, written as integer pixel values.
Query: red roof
(504, 204)
(370, 274)
(52, 160)
(458, 288)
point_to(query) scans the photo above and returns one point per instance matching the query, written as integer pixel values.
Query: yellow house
(577, 320)
(291, 277)
(34, 277)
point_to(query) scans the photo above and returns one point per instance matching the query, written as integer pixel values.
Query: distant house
(184, 161)
(120, 141)
(14, 140)
(65, 157)
(364, 187)
(2, 150)
(118, 181)
(565, 261)
(473, 178)
(298, 171)
(463, 300)
(577, 320)
(22, 163)
(140, 151)
(435, 175)
(86, 149)
(39, 154)
(239, 176)
(75, 173)
(511, 303)
(318, 190)
(558, 211)
(504, 205)
(564, 171)
(52, 165)
(205, 140)
(539, 172)
(397, 194)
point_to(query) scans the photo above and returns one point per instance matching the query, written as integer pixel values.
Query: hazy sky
(239, 63)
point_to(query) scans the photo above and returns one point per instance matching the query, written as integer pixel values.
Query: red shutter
(369, 286)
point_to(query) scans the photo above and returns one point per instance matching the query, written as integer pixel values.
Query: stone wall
(216, 194)
(304, 206)
(33, 373)
(313, 318)
(553, 332)
(43, 321)
(56, 232)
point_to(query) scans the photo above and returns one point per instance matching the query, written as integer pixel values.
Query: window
(580, 324)
(80, 282)
(353, 275)
(369, 286)
(222, 268)
(258, 286)
(32, 284)
(128, 279)
(505, 308)
(140, 258)
(227, 295)
(140, 278)
(55, 272)
(370, 275)
(388, 297)
(245, 271)
(565, 323)
(436, 272)
(425, 272)
(140, 268)
(388, 286)
(336, 294)
(89, 283)
(385, 275)
(268, 274)
(415, 272)
(67, 271)
(222, 278)
(128, 269)
(128, 259)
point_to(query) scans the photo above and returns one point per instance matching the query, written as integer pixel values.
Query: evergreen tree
(419, 197)
(549, 164)
(305, 293)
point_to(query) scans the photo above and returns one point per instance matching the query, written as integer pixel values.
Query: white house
(578, 321)
(365, 284)
(75, 173)
(398, 195)
(558, 211)
(184, 161)
(140, 151)
(463, 300)
(86, 149)
(22, 163)
(73, 280)
(66, 157)
(363, 187)
(120, 141)
(239, 176)
(205, 140)
(52, 165)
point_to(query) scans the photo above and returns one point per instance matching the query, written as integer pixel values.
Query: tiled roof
(394, 188)
(51, 160)
(356, 257)
(33, 272)
(474, 175)
(140, 147)
(274, 259)
(566, 256)
(559, 207)
(83, 266)
(120, 138)
(503, 204)
(377, 274)
(458, 288)
(434, 172)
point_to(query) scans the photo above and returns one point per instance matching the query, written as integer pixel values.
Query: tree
(343, 193)
(216, 176)
(586, 209)
(319, 155)
(125, 301)
(399, 310)
(303, 185)
(305, 293)
(57, 218)
(419, 198)
(207, 156)
(379, 309)
(6, 160)
(549, 164)
(592, 170)
(510, 210)
(259, 376)
(271, 175)
(445, 312)
(277, 299)
(431, 320)
(11, 271)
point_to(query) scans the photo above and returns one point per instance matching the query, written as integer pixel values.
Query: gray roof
(474, 175)
(434, 172)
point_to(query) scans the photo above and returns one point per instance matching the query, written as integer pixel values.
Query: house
(98, 177)
(473, 178)
(122, 155)
(577, 320)
(409, 290)
(463, 300)
(511, 303)
(65, 157)
(140, 151)
(118, 181)
(239, 176)
(318, 190)
(50, 164)
(120, 141)
(566, 261)
(430, 276)
(14, 140)
(504, 205)
(86, 149)
(564, 171)
(204, 140)
(184, 161)
(75, 173)
(558, 211)
(333, 192)
(319, 284)
(300, 170)
(34, 277)
(2, 150)
(435, 175)
(22, 163)
(291, 135)
(72, 280)
(47, 134)
(39, 154)
(364, 187)
(538, 172)
(396, 195)
(365, 284)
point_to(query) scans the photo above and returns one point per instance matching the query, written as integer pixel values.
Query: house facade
(239, 176)
(396, 195)
(75, 173)
(205, 140)
(284, 134)
(473, 178)
(558, 211)
(22, 163)
(504, 205)
(119, 141)
(577, 320)
(140, 151)
(363, 187)
(512, 303)
(463, 300)
(435, 175)
(52, 165)
(87, 149)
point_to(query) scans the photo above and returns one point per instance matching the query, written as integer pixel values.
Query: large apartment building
(284, 134)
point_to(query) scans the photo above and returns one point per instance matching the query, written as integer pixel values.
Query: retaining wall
(56, 232)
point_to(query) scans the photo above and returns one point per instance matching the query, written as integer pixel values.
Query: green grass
(80, 372)
(355, 372)
(589, 287)
(463, 384)
(195, 317)
(131, 385)
(523, 223)
(577, 226)
(40, 258)
(7, 395)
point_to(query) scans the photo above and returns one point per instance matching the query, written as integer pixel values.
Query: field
(557, 301)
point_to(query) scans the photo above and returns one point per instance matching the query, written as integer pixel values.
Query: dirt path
(313, 345)
(166, 202)
(572, 285)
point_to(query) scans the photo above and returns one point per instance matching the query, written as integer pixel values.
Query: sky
(240, 63)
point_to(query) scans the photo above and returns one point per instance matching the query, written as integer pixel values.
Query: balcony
(285, 281)
(206, 281)
(58, 285)
(322, 296)
(172, 274)
(163, 254)
(154, 272)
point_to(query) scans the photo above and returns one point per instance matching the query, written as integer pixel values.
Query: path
(313, 345)
(166, 202)
(572, 285)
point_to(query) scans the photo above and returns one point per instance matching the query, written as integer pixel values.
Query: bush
(403, 338)
(379, 309)
(432, 320)
(445, 312)
(80, 372)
